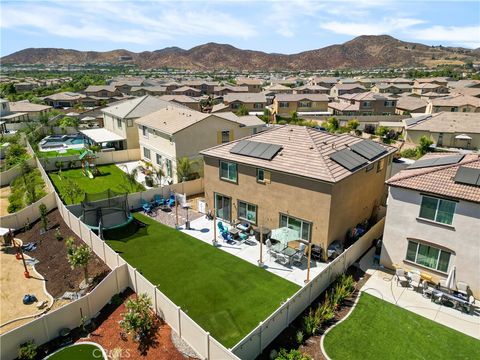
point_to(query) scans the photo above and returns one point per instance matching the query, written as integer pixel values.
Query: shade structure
(463, 137)
(450, 283)
(285, 235)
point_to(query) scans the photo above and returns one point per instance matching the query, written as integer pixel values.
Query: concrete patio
(383, 285)
(202, 229)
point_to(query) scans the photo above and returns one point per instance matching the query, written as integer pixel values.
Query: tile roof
(456, 100)
(439, 179)
(68, 96)
(186, 88)
(25, 106)
(305, 152)
(245, 97)
(349, 86)
(299, 97)
(137, 107)
(449, 122)
(179, 98)
(369, 96)
(344, 106)
(410, 103)
(95, 88)
(249, 81)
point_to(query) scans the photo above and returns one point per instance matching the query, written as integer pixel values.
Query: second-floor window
(366, 104)
(438, 210)
(145, 131)
(283, 104)
(119, 123)
(146, 153)
(228, 171)
(225, 136)
(168, 163)
(389, 103)
(258, 106)
(159, 159)
(305, 104)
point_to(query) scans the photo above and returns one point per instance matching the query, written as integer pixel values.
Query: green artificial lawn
(67, 152)
(224, 294)
(111, 177)
(78, 352)
(377, 329)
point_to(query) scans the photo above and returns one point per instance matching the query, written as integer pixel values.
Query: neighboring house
(120, 118)
(303, 104)
(254, 102)
(433, 217)
(427, 87)
(400, 81)
(446, 129)
(367, 103)
(470, 91)
(7, 116)
(454, 103)
(342, 89)
(33, 111)
(171, 85)
(187, 91)
(104, 91)
(370, 82)
(26, 86)
(278, 89)
(148, 90)
(253, 85)
(323, 81)
(311, 89)
(192, 103)
(225, 89)
(64, 99)
(205, 87)
(436, 80)
(124, 86)
(393, 89)
(173, 133)
(410, 104)
(301, 180)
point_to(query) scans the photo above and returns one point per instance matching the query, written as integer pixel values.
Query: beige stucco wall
(128, 132)
(293, 106)
(464, 108)
(461, 239)
(302, 198)
(447, 141)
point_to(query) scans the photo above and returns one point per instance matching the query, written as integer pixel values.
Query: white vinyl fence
(48, 326)
(258, 339)
(7, 176)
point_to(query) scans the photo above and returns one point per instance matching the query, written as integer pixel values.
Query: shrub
(299, 336)
(325, 312)
(409, 153)
(27, 351)
(348, 283)
(293, 354)
(58, 234)
(311, 323)
(43, 215)
(138, 319)
(424, 145)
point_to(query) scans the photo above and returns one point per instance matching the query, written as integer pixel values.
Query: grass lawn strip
(225, 295)
(78, 352)
(111, 177)
(377, 329)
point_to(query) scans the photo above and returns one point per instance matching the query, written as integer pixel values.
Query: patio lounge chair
(243, 236)
(158, 200)
(298, 258)
(222, 228)
(400, 277)
(282, 259)
(462, 287)
(426, 291)
(416, 281)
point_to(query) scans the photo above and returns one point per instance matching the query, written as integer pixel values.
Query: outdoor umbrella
(285, 235)
(450, 283)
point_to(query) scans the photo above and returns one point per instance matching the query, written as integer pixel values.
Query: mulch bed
(107, 334)
(52, 256)
(311, 346)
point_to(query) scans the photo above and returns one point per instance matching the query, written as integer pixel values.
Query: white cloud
(468, 36)
(384, 26)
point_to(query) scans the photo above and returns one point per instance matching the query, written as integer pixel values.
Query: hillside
(363, 52)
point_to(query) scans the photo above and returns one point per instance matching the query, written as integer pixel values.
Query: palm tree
(185, 169)
(159, 173)
(131, 177)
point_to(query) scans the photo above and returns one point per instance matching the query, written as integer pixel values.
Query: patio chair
(243, 236)
(273, 254)
(416, 281)
(146, 206)
(171, 200)
(158, 200)
(227, 237)
(400, 277)
(462, 287)
(301, 248)
(282, 259)
(298, 258)
(222, 228)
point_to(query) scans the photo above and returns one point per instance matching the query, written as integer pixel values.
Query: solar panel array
(368, 149)
(256, 149)
(469, 176)
(437, 161)
(348, 159)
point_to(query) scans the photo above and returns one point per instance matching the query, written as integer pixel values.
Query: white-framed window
(228, 171)
(304, 228)
(159, 159)
(119, 123)
(225, 136)
(144, 131)
(146, 153)
(129, 122)
(247, 212)
(438, 210)
(428, 256)
(168, 163)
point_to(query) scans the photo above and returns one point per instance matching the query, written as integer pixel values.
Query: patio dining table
(285, 250)
(458, 302)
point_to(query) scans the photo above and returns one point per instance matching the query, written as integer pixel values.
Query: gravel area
(183, 347)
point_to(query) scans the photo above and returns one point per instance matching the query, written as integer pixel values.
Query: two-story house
(155, 90)
(368, 103)
(302, 104)
(317, 183)
(427, 88)
(342, 89)
(222, 90)
(393, 89)
(103, 91)
(253, 85)
(190, 102)
(410, 104)
(454, 103)
(311, 89)
(253, 102)
(433, 217)
(323, 81)
(173, 133)
(187, 91)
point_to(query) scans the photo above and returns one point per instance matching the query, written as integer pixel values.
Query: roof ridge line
(433, 169)
(144, 97)
(323, 157)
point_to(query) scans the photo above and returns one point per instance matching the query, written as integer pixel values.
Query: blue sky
(271, 26)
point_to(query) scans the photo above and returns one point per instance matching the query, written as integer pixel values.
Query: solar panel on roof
(256, 149)
(368, 149)
(438, 161)
(469, 176)
(348, 159)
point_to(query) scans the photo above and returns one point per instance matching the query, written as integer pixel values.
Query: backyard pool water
(62, 142)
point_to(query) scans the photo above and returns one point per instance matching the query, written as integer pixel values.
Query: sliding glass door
(223, 204)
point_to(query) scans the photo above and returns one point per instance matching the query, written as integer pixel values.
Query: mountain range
(363, 52)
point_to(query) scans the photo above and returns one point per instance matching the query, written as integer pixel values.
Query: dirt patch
(52, 256)
(4, 194)
(311, 346)
(107, 334)
(14, 286)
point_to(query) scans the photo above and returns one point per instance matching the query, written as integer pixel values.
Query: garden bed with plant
(15, 153)
(51, 252)
(301, 340)
(25, 189)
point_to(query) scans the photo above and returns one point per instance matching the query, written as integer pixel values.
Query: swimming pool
(59, 142)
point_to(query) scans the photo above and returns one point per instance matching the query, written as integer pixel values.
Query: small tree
(353, 124)
(43, 215)
(138, 319)
(332, 124)
(131, 178)
(72, 191)
(242, 110)
(185, 169)
(25, 168)
(27, 351)
(78, 256)
(159, 174)
(424, 145)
